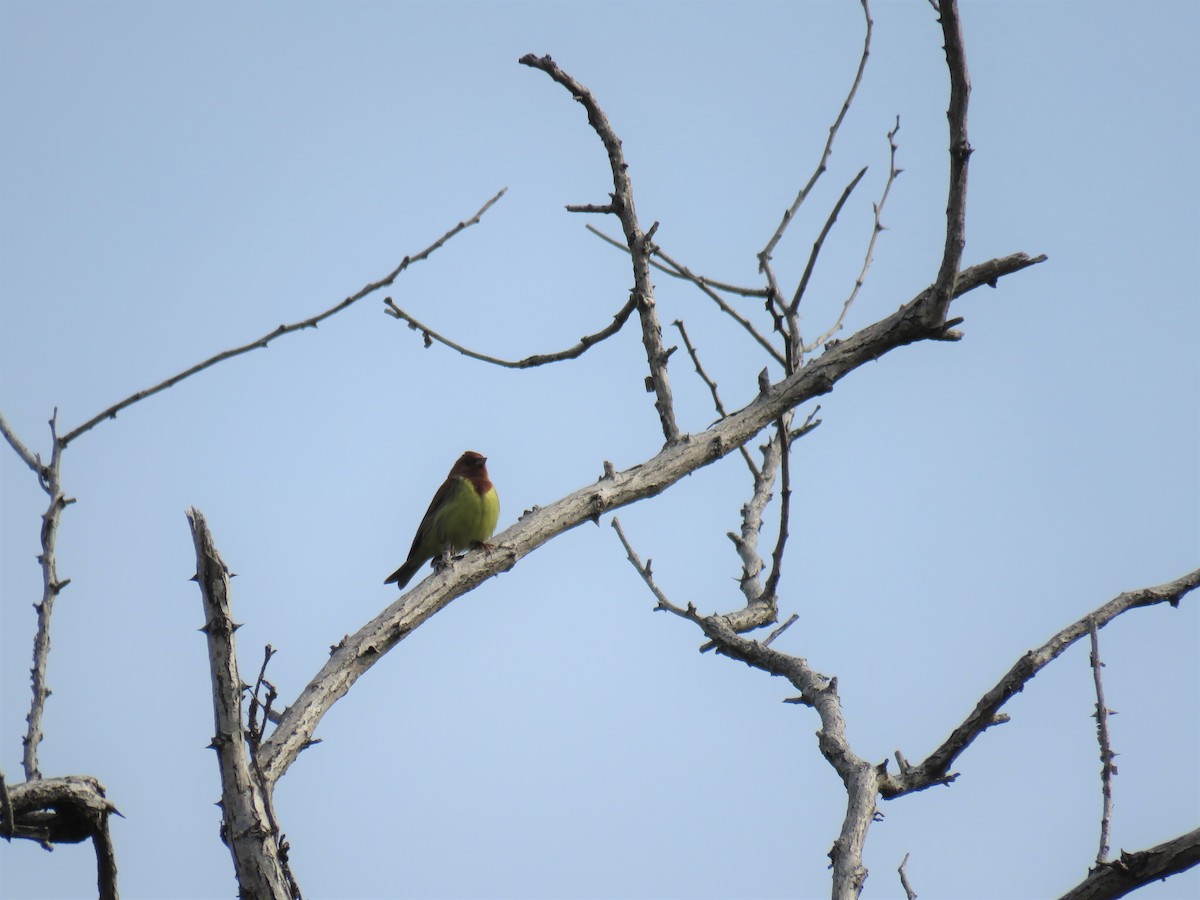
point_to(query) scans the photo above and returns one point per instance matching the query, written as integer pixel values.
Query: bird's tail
(404, 574)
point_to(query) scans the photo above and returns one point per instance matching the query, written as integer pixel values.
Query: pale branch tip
(261, 342)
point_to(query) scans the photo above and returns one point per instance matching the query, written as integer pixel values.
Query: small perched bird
(463, 512)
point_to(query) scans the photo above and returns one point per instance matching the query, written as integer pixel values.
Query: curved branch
(638, 241)
(935, 768)
(539, 359)
(313, 322)
(1135, 870)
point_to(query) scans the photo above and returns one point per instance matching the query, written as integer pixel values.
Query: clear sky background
(178, 178)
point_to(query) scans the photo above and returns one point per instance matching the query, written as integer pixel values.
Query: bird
(462, 513)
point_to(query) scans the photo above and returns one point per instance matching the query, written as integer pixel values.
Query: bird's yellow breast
(466, 517)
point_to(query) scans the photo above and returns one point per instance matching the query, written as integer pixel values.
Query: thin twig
(746, 324)
(540, 359)
(764, 256)
(30, 459)
(792, 620)
(639, 242)
(648, 577)
(712, 388)
(682, 272)
(50, 478)
(934, 314)
(111, 412)
(1107, 769)
(869, 256)
(935, 768)
(908, 890)
(785, 507)
(254, 730)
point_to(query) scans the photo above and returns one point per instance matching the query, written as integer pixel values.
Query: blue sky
(178, 178)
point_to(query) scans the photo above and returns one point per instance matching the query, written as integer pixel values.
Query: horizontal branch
(361, 650)
(538, 359)
(312, 322)
(935, 768)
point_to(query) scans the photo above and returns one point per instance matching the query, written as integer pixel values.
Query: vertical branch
(1107, 769)
(247, 826)
(49, 476)
(960, 153)
(849, 873)
(639, 242)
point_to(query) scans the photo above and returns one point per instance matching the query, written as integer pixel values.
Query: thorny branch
(869, 256)
(1107, 769)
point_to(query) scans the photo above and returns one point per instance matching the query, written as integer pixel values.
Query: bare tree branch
(1134, 870)
(67, 810)
(908, 891)
(960, 154)
(313, 322)
(764, 256)
(677, 271)
(869, 256)
(540, 359)
(247, 826)
(1107, 769)
(50, 479)
(712, 389)
(30, 459)
(987, 712)
(794, 306)
(639, 242)
(683, 272)
(358, 652)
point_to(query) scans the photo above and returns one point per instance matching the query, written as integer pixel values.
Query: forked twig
(869, 256)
